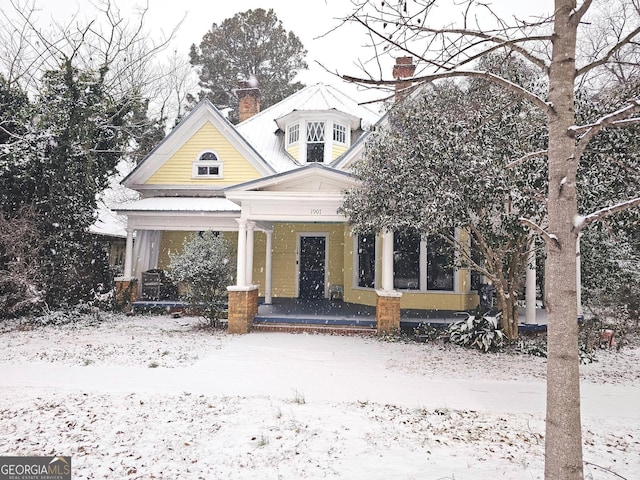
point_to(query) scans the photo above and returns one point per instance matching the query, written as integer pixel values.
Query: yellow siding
(285, 240)
(337, 150)
(171, 243)
(294, 150)
(178, 169)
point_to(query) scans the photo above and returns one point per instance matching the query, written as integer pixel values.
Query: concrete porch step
(314, 328)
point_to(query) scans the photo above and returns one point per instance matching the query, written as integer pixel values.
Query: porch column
(530, 293)
(579, 276)
(128, 255)
(387, 261)
(268, 267)
(249, 246)
(387, 299)
(241, 273)
(126, 286)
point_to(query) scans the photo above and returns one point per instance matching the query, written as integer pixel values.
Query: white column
(128, 255)
(530, 293)
(579, 275)
(387, 261)
(249, 265)
(268, 267)
(242, 253)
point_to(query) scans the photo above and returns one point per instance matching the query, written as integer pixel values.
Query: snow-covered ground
(158, 397)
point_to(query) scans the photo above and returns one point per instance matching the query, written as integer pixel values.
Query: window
(207, 165)
(366, 261)
(423, 265)
(439, 264)
(315, 142)
(339, 133)
(406, 260)
(294, 134)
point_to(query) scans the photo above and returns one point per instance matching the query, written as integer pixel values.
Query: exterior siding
(337, 150)
(177, 170)
(172, 241)
(294, 150)
(285, 240)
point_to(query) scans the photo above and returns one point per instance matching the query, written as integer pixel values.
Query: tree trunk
(563, 444)
(508, 305)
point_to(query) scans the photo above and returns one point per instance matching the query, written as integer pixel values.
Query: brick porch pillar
(388, 311)
(243, 307)
(126, 292)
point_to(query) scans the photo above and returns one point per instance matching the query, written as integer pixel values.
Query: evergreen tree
(249, 45)
(440, 164)
(65, 154)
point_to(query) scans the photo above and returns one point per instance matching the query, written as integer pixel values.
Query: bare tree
(570, 51)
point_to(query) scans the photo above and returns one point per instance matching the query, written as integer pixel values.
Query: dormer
(317, 136)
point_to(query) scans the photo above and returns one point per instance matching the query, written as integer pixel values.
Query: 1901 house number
(316, 211)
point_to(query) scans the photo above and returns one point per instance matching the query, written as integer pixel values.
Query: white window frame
(341, 131)
(293, 130)
(197, 163)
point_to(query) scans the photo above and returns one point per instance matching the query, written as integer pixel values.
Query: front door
(312, 266)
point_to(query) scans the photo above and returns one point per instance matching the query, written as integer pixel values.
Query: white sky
(310, 20)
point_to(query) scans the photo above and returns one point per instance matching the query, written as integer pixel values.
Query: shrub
(477, 331)
(206, 268)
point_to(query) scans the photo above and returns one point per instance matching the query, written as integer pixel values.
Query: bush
(206, 268)
(477, 331)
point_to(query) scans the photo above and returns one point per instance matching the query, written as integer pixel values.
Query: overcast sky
(313, 21)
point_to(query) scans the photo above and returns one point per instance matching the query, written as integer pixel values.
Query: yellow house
(273, 184)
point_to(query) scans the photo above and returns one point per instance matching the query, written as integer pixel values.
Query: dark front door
(312, 267)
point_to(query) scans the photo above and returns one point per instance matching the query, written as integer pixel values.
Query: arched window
(207, 165)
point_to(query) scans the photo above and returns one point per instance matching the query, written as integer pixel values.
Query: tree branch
(528, 156)
(604, 122)
(549, 238)
(513, 87)
(583, 222)
(626, 40)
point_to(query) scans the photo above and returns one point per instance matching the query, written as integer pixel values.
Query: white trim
(326, 259)
(197, 163)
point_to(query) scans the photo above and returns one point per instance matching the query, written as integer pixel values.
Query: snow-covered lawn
(158, 397)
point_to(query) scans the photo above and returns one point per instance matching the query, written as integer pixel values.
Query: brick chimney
(403, 69)
(249, 99)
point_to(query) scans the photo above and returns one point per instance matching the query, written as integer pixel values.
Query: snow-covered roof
(179, 204)
(108, 223)
(260, 130)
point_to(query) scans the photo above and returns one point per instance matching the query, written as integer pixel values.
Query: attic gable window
(315, 142)
(207, 166)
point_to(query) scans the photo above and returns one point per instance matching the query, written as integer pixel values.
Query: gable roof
(203, 112)
(261, 129)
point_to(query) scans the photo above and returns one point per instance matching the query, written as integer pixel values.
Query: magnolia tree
(205, 267)
(449, 145)
(550, 44)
